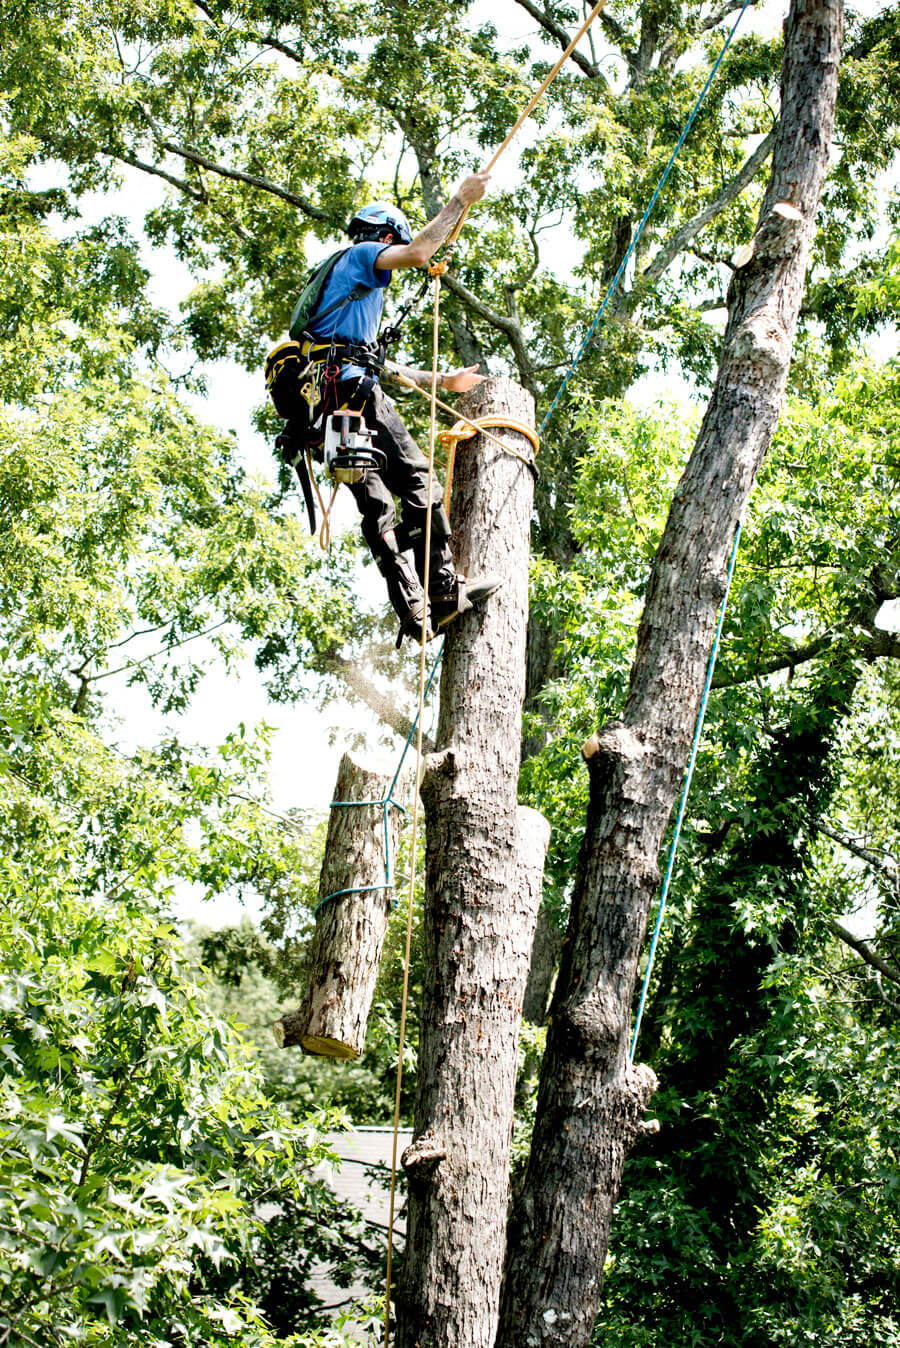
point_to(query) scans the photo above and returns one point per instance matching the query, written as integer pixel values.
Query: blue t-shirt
(359, 320)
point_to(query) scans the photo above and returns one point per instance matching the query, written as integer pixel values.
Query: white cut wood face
(742, 255)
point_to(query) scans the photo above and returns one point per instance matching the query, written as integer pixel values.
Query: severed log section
(350, 928)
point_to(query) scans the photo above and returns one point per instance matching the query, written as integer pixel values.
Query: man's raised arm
(428, 241)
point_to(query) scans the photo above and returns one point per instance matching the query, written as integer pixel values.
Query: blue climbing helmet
(372, 220)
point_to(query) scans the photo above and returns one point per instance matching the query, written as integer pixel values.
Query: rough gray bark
(346, 946)
(591, 1100)
(484, 865)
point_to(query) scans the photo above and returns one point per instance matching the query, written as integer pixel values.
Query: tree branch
(789, 660)
(674, 46)
(667, 254)
(384, 708)
(713, 20)
(865, 951)
(284, 48)
(507, 325)
(157, 172)
(165, 650)
(557, 31)
(251, 179)
(881, 643)
(885, 866)
(873, 647)
(182, 186)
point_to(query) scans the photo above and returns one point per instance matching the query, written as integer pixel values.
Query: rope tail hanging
(324, 510)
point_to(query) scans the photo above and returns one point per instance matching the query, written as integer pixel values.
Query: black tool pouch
(294, 385)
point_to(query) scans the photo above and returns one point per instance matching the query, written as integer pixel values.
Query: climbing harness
(642, 225)
(685, 792)
(303, 381)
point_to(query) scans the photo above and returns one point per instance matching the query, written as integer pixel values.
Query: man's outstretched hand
(460, 381)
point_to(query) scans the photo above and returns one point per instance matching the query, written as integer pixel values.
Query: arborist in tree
(325, 383)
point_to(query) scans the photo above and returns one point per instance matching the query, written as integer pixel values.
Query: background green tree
(132, 538)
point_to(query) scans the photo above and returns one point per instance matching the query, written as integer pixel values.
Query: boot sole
(473, 602)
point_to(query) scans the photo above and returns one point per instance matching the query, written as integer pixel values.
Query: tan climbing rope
(530, 107)
(420, 714)
(465, 430)
(325, 529)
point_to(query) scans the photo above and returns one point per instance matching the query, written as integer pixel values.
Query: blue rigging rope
(386, 802)
(614, 283)
(685, 792)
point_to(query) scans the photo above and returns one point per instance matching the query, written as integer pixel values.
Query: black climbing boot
(460, 597)
(404, 591)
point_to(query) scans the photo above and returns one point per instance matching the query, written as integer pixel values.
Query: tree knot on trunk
(423, 1155)
(615, 742)
(439, 772)
(613, 756)
(595, 1022)
(638, 1086)
(711, 589)
(762, 341)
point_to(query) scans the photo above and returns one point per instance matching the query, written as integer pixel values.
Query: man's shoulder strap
(306, 307)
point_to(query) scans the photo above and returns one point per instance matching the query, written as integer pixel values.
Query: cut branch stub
(350, 927)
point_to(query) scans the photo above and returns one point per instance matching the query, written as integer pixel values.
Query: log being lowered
(355, 904)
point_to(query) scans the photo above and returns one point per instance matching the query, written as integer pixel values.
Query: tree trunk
(350, 928)
(545, 952)
(484, 865)
(591, 1099)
